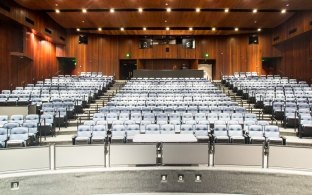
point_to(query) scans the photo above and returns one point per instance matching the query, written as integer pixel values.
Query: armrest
(74, 139)
(284, 140)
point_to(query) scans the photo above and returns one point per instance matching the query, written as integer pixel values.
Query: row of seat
(220, 133)
(173, 109)
(182, 118)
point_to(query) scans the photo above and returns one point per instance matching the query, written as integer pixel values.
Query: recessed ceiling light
(57, 11)
(78, 29)
(254, 11)
(190, 29)
(167, 28)
(213, 29)
(287, 5)
(283, 11)
(56, 4)
(99, 29)
(82, 21)
(140, 10)
(166, 21)
(236, 29)
(259, 30)
(166, 4)
(122, 29)
(226, 10)
(84, 10)
(197, 10)
(168, 9)
(144, 28)
(112, 10)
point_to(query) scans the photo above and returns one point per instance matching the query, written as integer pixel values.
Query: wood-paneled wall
(103, 53)
(38, 60)
(41, 21)
(294, 47)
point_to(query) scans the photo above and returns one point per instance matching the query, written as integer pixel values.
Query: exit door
(126, 68)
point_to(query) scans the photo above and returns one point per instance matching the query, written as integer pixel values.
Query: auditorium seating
(285, 99)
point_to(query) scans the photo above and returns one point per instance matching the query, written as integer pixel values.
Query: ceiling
(156, 19)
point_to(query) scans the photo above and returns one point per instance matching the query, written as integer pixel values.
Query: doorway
(208, 67)
(126, 68)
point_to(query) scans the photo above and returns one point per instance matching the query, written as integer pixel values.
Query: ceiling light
(283, 11)
(236, 29)
(168, 9)
(57, 11)
(167, 28)
(197, 10)
(112, 10)
(166, 4)
(226, 10)
(213, 29)
(190, 29)
(140, 10)
(84, 10)
(122, 29)
(144, 28)
(254, 11)
(259, 30)
(78, 29)
(99, 29)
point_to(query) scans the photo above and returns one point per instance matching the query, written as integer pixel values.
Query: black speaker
(178, 40)
(253, 39)
(83, 39)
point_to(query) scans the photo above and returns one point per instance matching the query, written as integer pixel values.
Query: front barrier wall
(82, 156)
(79, 156)
(132, 154)
(239, 155)
(290, 157)
(185, 154)
(25, 159)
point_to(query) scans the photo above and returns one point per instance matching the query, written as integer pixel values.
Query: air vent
(30, 21)
(62, 38)
(48, 31)
(5, 7)
(276, 38)
(292, 31)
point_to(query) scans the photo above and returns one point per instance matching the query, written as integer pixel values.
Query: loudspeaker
(253, 39)
(83, 39)
(178, 40)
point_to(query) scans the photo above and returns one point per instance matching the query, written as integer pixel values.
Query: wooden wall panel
(103, 53)
(296, 58)
(99, 55)
(41, 22)
(37, 62)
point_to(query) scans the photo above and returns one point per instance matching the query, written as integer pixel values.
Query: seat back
(235, 130)
(255, 131)
(271, 131)
(220, 130)
(19, 133)
(3, 134)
